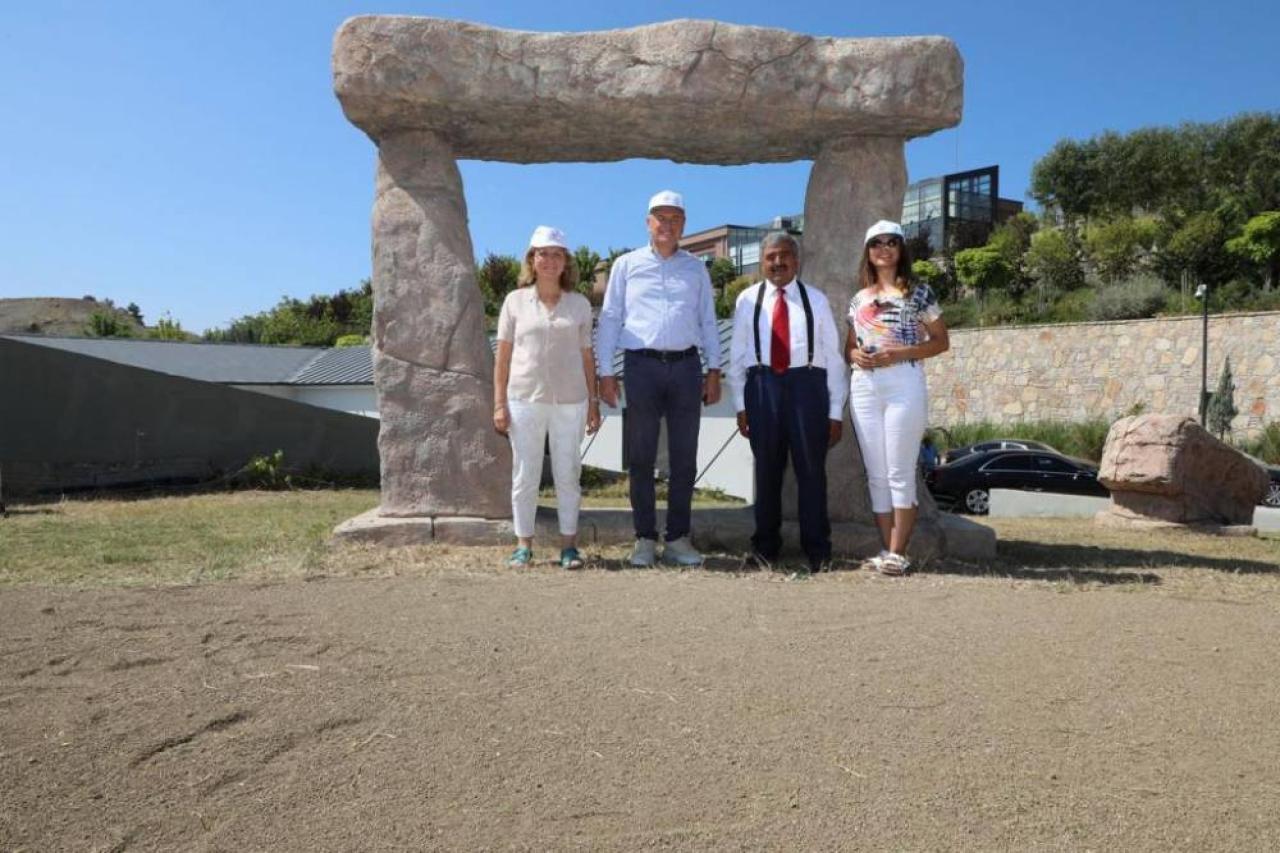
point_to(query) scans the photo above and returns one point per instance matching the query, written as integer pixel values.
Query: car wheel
(1273, 495)
(977, 501)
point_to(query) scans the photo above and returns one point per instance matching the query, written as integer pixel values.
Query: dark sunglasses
(884, 243)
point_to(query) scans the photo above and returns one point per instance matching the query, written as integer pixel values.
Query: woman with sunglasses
(544, 388)
(894, 323)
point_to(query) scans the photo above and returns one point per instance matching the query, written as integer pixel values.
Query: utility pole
(1202, 293)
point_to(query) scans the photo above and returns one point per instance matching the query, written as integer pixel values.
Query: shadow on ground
(1030, 560)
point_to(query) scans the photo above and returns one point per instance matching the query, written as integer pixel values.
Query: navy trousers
(787, 415)
(656, 390)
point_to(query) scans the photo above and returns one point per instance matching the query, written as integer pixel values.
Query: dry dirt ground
(476, 708)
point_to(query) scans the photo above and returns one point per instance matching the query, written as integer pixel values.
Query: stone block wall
(1076, 371)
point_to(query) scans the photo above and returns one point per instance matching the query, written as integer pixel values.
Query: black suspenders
(808, 320)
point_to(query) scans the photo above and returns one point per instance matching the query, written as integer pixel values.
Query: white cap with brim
(545, 235)
(666, 198)
(882, 227)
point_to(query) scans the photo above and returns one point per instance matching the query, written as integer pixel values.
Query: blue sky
(190, 156)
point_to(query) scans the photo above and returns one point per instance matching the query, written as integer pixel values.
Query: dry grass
(250, 536)
(1077, 554)
(165, 540)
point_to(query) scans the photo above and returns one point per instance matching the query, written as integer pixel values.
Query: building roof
(338, 366)
(257, 364)
(232, 364)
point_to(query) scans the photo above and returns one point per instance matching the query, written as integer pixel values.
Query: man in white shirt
(659, 309)
(788, 381)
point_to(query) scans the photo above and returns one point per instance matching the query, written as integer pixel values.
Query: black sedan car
(995, 444)
(966, 483)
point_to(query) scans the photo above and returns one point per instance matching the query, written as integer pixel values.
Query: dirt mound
(57, 316)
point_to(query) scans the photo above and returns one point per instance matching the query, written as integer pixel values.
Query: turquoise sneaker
(570, 559)
(520, 558)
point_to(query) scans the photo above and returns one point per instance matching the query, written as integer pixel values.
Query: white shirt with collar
(826, 346)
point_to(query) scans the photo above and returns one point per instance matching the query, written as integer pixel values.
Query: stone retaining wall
(1076, 371)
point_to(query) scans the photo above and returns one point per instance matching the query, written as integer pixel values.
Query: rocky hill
(55, 316)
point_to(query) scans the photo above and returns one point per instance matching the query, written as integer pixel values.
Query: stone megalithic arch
(430, 91)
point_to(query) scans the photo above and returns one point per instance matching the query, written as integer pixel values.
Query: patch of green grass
(170, 539)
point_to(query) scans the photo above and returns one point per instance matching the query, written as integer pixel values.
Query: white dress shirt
(659, 303)
(826, 346)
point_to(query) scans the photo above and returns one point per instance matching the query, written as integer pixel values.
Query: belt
(666, 355)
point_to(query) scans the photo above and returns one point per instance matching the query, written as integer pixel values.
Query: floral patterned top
(898, 320)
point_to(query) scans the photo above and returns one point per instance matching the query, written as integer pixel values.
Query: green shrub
(1081, 439)
(1266, 446)
(729, 296)
(1072, 307)
(960, 314)
(351, 341)
(265, 472)
(1140, 296)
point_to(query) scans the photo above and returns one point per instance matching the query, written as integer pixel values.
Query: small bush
(265, 472)
(1140, 296)
(1266, 446)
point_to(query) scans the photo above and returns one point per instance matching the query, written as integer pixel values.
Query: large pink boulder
(1168, 468)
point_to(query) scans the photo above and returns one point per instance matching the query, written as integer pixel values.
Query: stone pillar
(854, 182)
(432, 364)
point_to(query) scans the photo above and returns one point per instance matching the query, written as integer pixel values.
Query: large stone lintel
(690, 91)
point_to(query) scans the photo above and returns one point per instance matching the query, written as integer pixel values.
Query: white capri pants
(889, 407)
(531, 424)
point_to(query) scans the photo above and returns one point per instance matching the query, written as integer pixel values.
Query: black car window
(1057, 466)
(1010, 462)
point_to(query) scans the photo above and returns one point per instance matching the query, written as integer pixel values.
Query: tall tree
(983, 269)
(497, 277)
(1053, 261)
(1259, 244)
(1222, 403)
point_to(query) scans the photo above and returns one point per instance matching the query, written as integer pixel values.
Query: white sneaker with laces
(680, 552)
(644, 553)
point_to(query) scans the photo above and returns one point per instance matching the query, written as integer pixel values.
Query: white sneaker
(876, 563)
(680, 552)
(644, 553)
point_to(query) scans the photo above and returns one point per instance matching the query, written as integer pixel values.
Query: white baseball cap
(545, 235)
(667, 198)
(884, 226)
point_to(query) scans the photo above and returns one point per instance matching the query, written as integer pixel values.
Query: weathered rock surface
(690, 91)
(854, 182)
(432, 364)
(1168, 468)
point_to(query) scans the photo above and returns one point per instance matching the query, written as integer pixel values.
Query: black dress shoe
(817, 566)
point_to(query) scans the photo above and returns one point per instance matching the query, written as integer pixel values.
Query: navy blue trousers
(788, 416)
(656, 390)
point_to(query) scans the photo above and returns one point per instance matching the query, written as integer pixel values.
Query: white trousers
(889, 407)
(531, 425)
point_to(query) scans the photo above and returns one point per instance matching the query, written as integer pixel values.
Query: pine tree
(1222, 404)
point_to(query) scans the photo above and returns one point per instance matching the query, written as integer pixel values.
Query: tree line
(1131, 224)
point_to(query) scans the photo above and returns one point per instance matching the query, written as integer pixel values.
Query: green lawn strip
(169, 539)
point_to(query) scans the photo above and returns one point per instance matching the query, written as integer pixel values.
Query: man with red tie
(788, 383)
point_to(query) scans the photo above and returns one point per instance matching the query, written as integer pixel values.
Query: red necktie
(780, 335)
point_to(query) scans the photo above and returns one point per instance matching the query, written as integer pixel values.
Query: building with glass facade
(957, 211)
(949, 212)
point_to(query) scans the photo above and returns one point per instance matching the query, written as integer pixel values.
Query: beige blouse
(547, 345)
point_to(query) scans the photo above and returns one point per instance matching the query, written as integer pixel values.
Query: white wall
(353, 399)
(731, 472)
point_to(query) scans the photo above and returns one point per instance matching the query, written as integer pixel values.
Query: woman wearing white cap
(544, 387)
(894, 323)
